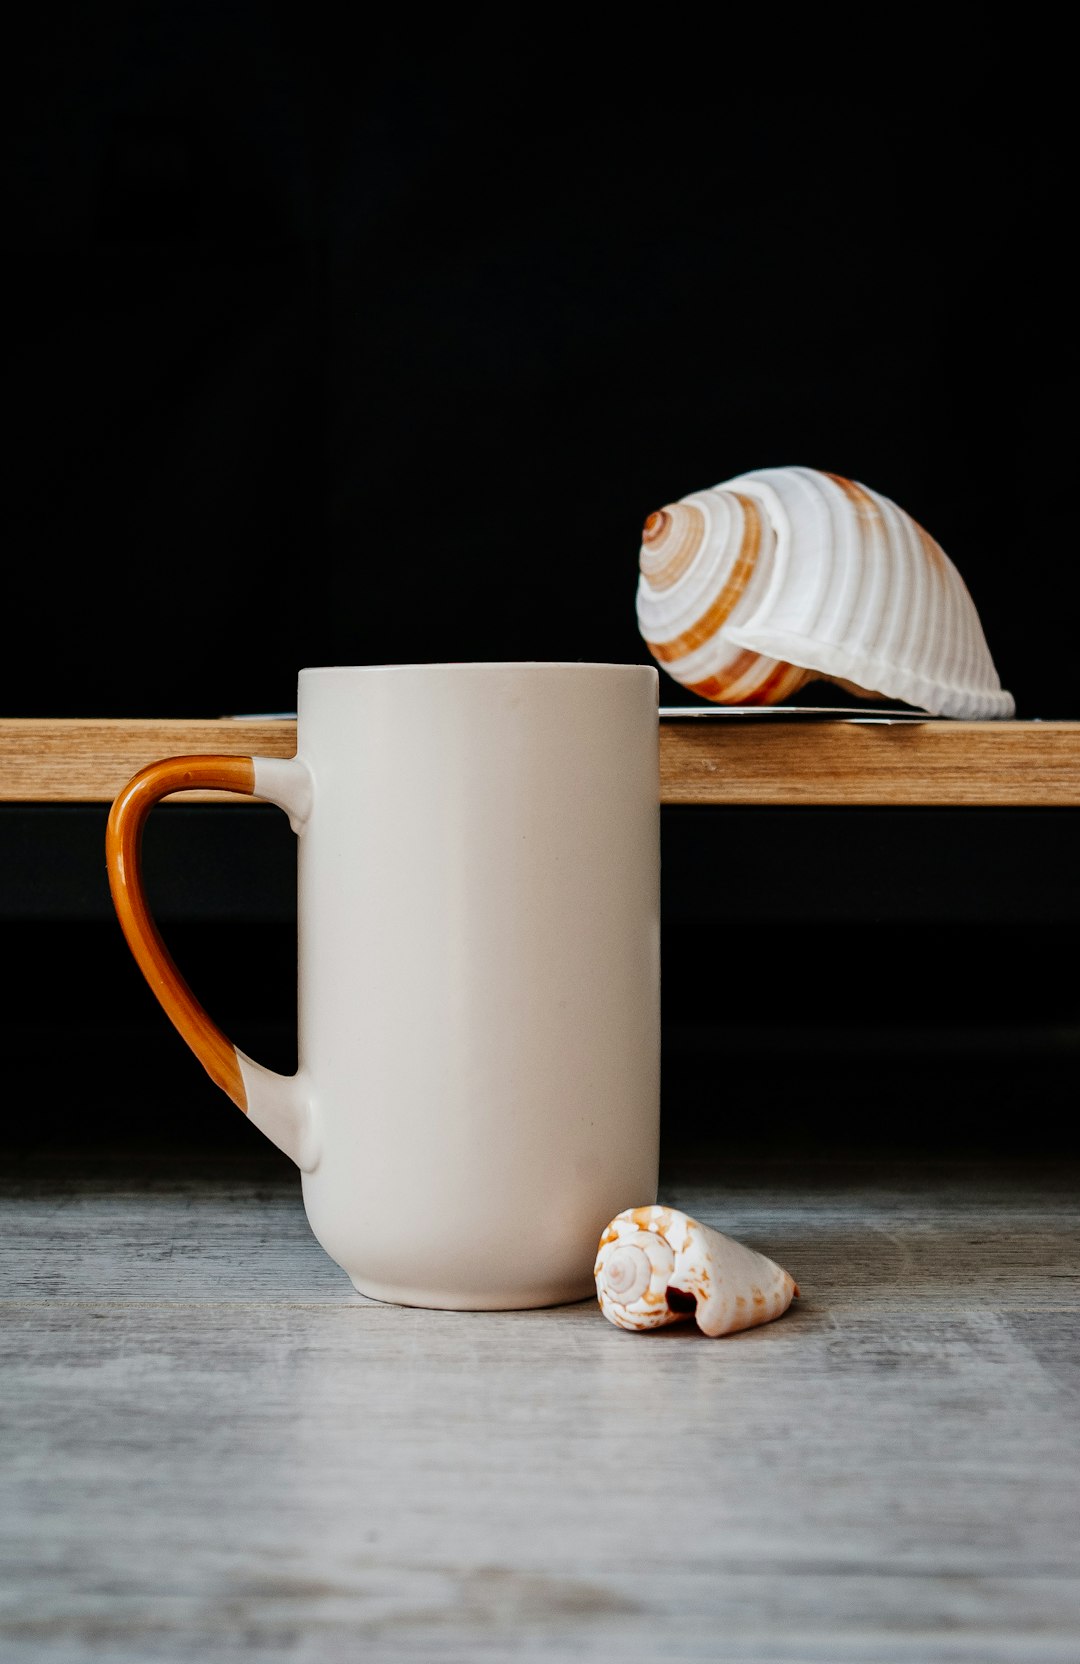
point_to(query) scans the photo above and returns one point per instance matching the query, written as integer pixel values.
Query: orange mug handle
(123, 859)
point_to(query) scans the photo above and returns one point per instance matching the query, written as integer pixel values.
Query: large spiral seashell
(656, 1265)
(784, 576)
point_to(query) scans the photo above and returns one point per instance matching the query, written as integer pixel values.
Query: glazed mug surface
(478, 927)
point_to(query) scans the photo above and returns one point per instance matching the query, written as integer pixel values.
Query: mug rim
(476, 665)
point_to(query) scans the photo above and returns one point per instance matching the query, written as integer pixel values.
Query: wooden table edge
(738, 762)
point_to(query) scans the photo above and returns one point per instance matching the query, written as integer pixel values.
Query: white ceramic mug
(479, 943)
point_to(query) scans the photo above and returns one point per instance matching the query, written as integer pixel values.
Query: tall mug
(478, 968)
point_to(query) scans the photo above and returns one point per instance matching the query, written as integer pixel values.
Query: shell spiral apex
(783, 576)
(656, 1265)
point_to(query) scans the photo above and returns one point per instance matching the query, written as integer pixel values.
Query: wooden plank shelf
(737, 761)
(930, 764)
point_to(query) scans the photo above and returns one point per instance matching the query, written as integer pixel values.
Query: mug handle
(280, 1105)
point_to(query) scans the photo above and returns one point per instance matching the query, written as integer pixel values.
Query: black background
(374, 344)
(377, 343)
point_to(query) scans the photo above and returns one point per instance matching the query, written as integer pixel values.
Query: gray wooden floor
(213, 1449)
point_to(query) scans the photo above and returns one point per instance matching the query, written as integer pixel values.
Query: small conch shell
(656, 1265)
(784, 576)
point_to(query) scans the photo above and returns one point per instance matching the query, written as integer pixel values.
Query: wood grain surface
(76, 760)
(214, 1449)
(943, 764)
(748, 761)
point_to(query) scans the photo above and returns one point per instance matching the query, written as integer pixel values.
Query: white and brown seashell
(784, 576)
(656, 1265)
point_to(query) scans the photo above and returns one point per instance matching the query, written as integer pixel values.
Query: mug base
(389, 1295)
